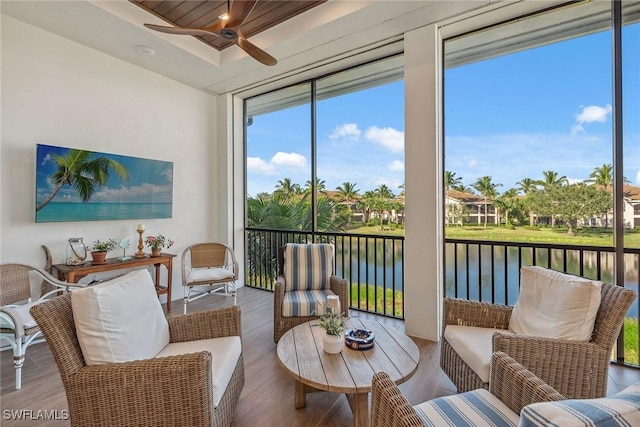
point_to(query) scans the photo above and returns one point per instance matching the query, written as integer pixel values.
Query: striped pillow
(307, 266)
(621, 409)
(304, 303)
(473, 408)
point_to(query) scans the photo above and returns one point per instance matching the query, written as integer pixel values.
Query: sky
(510, 117)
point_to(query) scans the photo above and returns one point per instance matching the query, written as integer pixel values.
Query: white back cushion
(555, 305)
(120, 320)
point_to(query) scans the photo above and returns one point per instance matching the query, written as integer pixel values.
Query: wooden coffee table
(300, 353)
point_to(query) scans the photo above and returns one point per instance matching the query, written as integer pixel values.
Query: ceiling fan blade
(214, 29)
(239, 11)
(255, 52)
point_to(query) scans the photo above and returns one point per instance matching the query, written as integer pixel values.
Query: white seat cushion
(120, 320)
(474, 346)
(473, 408)
(225, 352)
(21, 318)
(555, 305)
(211, 273)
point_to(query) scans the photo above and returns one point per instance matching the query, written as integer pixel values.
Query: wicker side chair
(512, 384)
(17, 296)
(165, 391)
(282, 323)
(208, 268)
(576, 369)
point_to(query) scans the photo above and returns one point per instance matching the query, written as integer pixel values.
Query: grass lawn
(583, 237)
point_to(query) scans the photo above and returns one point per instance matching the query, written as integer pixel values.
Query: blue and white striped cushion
(303, 303)
(473, 408)
(621, 409)
(307, 266)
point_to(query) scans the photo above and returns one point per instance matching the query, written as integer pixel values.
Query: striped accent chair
(515, 397)
(305, 279)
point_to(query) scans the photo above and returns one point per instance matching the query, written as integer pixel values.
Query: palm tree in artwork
(82, 173)
(487, 190)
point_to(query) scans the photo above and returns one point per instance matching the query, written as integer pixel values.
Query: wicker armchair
(17, 296)
(511, 384)
(577, 369)
(208, 268)
(282, 323)
(165, 391)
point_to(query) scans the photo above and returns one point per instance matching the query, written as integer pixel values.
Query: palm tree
(508, 202)
(286, 188)
(603, 175)
(487, 190)
(451, 181)
(551, 181)
(462, 188)
(83, 174)
(348, 191)
(320, 186)
(528, 186)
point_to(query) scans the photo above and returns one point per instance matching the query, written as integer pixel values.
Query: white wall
(57, 92)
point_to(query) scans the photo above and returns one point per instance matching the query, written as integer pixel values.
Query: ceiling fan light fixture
(223, 17)
(145, 50)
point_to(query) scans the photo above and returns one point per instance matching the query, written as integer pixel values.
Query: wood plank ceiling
(199, 14)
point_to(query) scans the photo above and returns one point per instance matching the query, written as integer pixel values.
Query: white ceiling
(323, 35)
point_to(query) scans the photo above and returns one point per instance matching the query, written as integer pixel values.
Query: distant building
(466, 208)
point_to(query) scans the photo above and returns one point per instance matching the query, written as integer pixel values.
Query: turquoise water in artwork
(60, 212)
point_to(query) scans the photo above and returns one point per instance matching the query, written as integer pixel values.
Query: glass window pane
(278, 158)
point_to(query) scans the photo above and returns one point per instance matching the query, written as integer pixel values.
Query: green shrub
(631, 340)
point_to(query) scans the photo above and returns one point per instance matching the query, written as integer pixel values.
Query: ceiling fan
(227, 28)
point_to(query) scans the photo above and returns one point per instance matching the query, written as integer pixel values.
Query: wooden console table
(73, 273)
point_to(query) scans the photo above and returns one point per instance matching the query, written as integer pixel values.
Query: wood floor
(267, 396)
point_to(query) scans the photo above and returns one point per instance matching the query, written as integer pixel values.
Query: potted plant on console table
(100, 250)
(334, 326)
(156, 243)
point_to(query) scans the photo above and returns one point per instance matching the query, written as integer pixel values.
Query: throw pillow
(555, 305)
(307, 266)
(120, 320)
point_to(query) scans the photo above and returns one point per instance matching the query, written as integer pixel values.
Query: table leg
(359, 403)
(301, 395)
(169, 277)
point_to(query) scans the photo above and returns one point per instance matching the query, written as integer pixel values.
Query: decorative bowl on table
(359, 339)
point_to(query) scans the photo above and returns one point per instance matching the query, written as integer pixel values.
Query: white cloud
(638, 177)
(279, 160)
(389, 138)
(472, 162)
(347, 131)
(257, 165)
(46, 159)
(288, 159)
(590, 114)
(396, 166)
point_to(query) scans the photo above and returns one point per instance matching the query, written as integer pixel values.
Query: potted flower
(156, 243)
(334, 326)
(100, 249)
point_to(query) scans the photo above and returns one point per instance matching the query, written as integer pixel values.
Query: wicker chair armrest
(473, 313)
(516, 386)
(568, 366)
(221, 322)
(339, 287)
(125, 393)
(389, 407)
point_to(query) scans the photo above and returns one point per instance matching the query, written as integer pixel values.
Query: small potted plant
(156, 243)
(100, 249)
(334, 326)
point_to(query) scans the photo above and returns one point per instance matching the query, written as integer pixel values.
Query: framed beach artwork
(81, 185)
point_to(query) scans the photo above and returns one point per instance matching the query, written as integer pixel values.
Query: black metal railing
(490, 271)
(372, 265)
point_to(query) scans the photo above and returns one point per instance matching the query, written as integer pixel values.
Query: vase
(332, 344)
(156, 252)
(98, 257)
